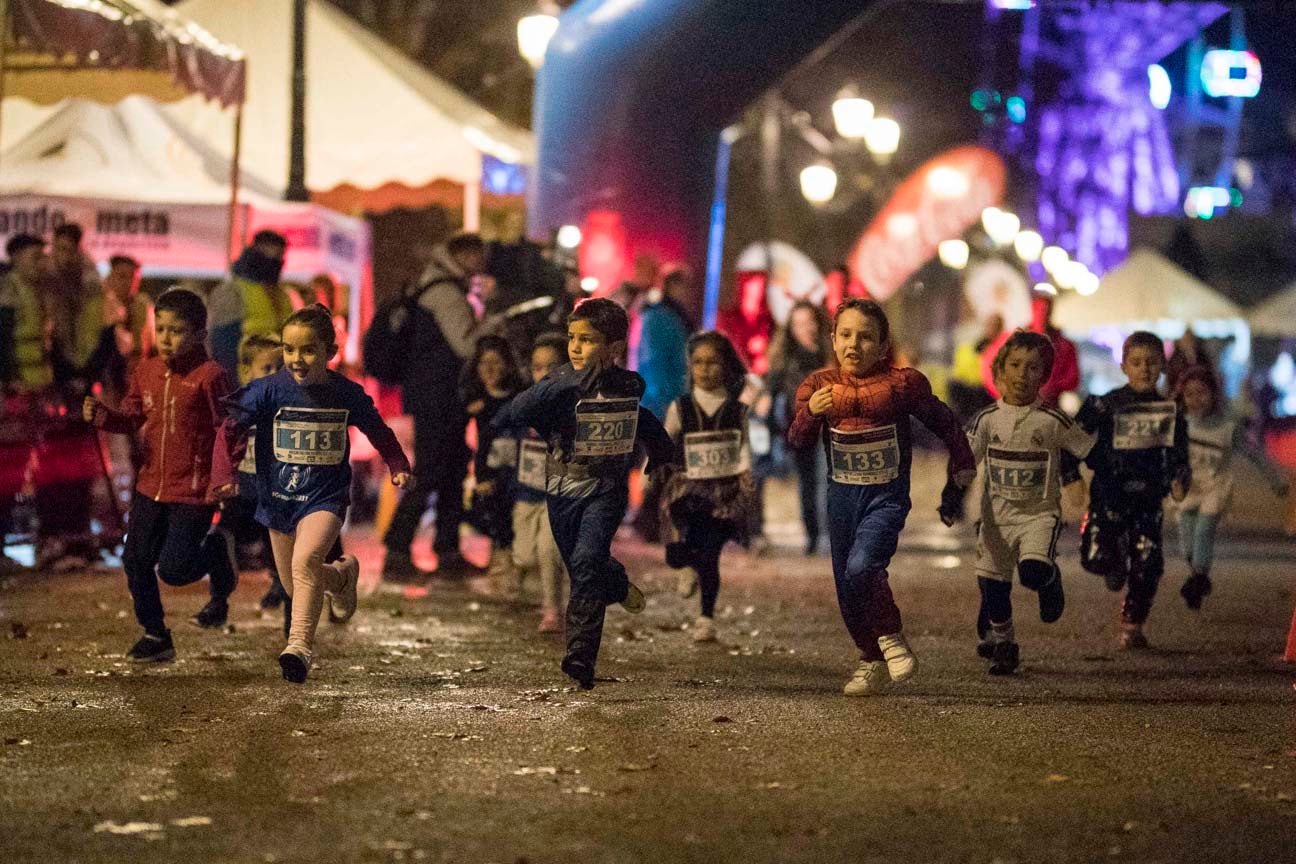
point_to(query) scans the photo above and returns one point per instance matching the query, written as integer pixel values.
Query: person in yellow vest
(251, 303)
(24, 360)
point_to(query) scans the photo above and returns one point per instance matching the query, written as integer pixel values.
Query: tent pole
(235, 173)
(4, 50)
(472, 207)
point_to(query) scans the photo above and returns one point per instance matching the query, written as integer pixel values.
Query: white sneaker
(634, 601)
(870, 678)
(704, 629)
(686, 582)
(900, 660)
(342, 605)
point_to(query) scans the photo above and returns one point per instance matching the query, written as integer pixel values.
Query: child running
(709, 495)
(1213, 439)
(1019, 440)
(1140, 457)
(860, 412)
(588, 412)
(174, 399)
(533, 541)
(491, 379)
(259, 357)
(301, 415)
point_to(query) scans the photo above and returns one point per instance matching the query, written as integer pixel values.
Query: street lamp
(534, 33)
(852, 115)
(569, 237)
(1028, 245)
(882, 137)
(818, 183)
(953, 253)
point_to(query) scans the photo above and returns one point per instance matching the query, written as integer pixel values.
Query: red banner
(939, 201)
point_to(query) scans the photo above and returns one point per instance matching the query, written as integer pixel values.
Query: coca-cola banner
(939, 201)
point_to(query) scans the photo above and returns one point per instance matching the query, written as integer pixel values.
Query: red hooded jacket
(178, 410)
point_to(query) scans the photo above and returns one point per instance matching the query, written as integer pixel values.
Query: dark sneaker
(985, 649)
(399, 569)
(579, 671)
(1052, 600)
(1195, 590)
(274, 596)
(1005, 659)
(295, 664)
(152, 649)
(1132, 638)
(455, 566)
(213, 615)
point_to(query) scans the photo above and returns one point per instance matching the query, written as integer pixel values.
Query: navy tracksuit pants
(583, 528)
(864, 524)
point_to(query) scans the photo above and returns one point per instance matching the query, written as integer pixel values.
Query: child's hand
(820, 400)
(1178, 491)
(951, 503)
(89, 408)
(224, 492)
(401, 479)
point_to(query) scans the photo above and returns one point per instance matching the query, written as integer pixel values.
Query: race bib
(865, 458)
(1145, 426)
(712, 455)
(503, 453)
(1205, 457)
(310, 436)
(531, 464)
(1018, 475)
(606, 427)
(248, 465)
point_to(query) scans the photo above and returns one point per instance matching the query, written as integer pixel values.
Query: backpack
(387, 341)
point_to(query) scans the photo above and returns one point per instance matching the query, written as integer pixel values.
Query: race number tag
(531, 464)
(503, 453)
(606, 427)
(1018, 475)
(1205, 457)
(712, 455)
(248, 465)
(865, 458)
(310, 436)
(1145, 426)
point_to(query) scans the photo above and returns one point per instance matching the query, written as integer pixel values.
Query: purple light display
(1102, 148)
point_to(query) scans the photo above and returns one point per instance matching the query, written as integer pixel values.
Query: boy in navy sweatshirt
(588, 413)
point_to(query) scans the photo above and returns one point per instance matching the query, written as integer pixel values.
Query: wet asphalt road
(438, 728)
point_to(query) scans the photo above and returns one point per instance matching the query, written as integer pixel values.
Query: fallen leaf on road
(21, 742)
(631, 766)
(127, 828)
(579, 749)
(527, 770)
(721, 719)
(191, 821)
(1056, 778)
(1130, 825)
(60, 671)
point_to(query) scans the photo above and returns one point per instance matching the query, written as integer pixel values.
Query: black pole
(297, 143)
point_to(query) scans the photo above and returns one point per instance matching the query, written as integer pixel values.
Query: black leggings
(704, 537)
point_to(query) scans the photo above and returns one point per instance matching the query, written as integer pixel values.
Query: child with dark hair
(490, 380)
(1213, 439)
(1019, 439)
(303, 472)
(175, 400)
(860, 413)
(709, 491)
(1140, 457)
(534, 547)
(589, 414)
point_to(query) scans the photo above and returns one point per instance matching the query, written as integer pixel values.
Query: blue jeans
(864, 524)
(583, 528)
(1197, 539)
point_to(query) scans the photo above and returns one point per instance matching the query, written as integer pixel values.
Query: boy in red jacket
(174, 398)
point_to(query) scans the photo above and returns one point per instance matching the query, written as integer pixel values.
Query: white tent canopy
(373, 116)
(1275, 316)
(1146, 288)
